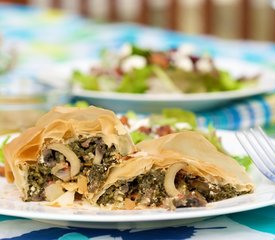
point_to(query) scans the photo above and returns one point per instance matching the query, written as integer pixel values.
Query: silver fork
(260, 148)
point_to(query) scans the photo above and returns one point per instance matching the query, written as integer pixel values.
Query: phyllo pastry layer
(178, 170)
(69, 149)
(87, 154)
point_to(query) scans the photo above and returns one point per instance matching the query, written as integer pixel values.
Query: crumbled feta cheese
(133, 62)
(41, 159)
(183, 125)
(204, 65)
(184, 63)
(186, 49)
(120, 198)
(135, 124)
(125, 50)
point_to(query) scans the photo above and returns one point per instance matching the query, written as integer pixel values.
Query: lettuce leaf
(212, 136)
(135, 81)
(138, 136)
(245, 161)
(86, 81)
(166, 81)
(140, 51)
(80, 104)
(131, 115)
(172, 116)
(227, 83)
(180, 115)
(1, 149)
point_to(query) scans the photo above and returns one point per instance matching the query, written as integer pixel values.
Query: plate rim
(175, 97)
(163, 215)
(261, 88)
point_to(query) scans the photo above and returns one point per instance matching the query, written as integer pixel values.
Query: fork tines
(260, 148)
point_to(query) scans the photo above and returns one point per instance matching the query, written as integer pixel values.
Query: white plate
(122, 102)
(86, 216)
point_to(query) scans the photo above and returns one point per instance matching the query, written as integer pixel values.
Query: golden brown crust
(60, 125)
(199, 153)
(191, 149)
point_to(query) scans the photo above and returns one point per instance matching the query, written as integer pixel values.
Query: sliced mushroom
(70, 157)
(62, 171)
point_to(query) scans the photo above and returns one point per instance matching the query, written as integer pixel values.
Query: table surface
(44, 37)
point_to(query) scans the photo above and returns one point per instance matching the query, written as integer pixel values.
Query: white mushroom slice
(53, 191)
(169, 180)
(62, 171)
(70, 157)
(64, 174)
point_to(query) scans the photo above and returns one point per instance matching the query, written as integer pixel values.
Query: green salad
(171, 121)
(139, 70)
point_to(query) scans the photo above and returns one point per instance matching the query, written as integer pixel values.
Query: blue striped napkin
(242, 114)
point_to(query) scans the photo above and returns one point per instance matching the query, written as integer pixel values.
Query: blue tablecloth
(254, 225)
(44, 37)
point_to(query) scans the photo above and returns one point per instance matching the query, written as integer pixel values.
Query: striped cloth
(242, 114)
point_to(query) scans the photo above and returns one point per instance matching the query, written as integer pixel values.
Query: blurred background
(233, 19)
(48, 38)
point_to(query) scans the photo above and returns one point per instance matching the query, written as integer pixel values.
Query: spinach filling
(147, 189)
(39, 175)
(86, 149)
(209, 191)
